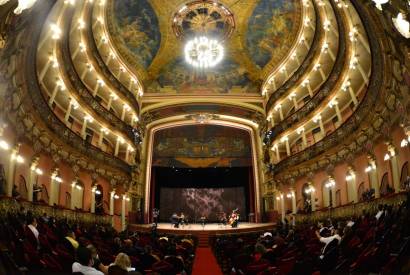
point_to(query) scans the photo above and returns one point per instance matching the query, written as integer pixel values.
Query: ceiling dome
(257, 35)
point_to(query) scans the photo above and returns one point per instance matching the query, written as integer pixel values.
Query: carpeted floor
(205, 262)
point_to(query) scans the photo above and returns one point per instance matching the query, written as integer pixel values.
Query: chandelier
(202, 52)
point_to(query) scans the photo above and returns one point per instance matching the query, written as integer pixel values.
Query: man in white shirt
(380, 212)
(85, 263)
(327, 240)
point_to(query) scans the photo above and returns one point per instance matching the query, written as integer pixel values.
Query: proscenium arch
(255, 143)
(241, 102)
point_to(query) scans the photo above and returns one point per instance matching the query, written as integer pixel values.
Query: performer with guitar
(234, 218)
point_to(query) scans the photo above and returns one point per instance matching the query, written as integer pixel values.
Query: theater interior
(204, 137)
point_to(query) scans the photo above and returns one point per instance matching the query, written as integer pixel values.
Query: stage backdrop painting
(197, 202)
(198, 146)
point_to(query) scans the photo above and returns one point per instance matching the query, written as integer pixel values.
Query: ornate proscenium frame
(255, 141)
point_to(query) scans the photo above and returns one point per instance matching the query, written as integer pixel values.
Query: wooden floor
(203, 233)
(209, 228)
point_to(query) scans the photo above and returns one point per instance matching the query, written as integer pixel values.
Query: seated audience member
(128, 248)
(44, 218)
(85, 262)
(96, 260)
(32, 232)
(121, 266)
(328, 240)
(380, 213)
(148, 258)
(71, 238)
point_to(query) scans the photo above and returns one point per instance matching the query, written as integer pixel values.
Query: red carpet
(205, 262)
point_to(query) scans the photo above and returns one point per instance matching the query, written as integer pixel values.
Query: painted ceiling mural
(202, 146)
(137, 26)
(265, 30)
(270, 28)
(179, 77)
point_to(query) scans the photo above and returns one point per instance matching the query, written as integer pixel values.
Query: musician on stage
(203, 221)
(234, 218)
(155, 215)
(182, 219)
(223, 219)
(175, 220)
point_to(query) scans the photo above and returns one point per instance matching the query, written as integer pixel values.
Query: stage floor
(210, 228)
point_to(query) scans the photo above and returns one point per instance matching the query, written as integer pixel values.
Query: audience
(96, 259)
(53, 245)
(84, 263)
(121, 266)
(374, 242)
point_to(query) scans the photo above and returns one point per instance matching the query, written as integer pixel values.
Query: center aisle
(205, 262)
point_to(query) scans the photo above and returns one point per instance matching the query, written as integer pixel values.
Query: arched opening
(2, 180)
(99, 199)
(22, 188)
(307, 198)
(385, 188)
(360, 192)
(44, 194)
(405, 177)
(326, 193)
(202, 170)
(338, 199)
(77, 195)
(106, 207)
(67, 203)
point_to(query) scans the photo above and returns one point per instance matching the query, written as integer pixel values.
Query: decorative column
(279, 108)
(330, 185)
(352, 185)
(112, 98)
(318, 118)
(354, 63)
(54, 188)
(304, 140)
(334, 103)
(348, 87)
(292, 97)
(276, 149)
(306, 83)
(125, 109)
(71, 105)
(286, 140)
(282, 206)
(312, 193)
(103, 131)
(293, 197)
(73, 193)
(394, 168)
(318, 67)
(51, 61)
(87, 118)
(112, 194)
(92, 206)
(325, 49)
(117, 146)
(100, 83)
(34, 170)
(59, 86)
(373, 178)
(124, 199)
(13, 159)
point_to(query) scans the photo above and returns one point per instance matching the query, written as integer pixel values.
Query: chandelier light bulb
(202, 52)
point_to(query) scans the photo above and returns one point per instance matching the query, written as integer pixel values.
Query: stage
(203, 233)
